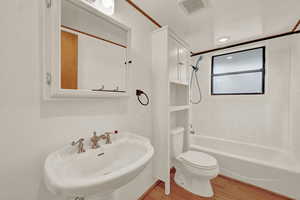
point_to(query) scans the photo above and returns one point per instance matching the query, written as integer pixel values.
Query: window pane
(240, 83)
(239, 61)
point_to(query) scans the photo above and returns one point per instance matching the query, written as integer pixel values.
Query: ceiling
(238, 19)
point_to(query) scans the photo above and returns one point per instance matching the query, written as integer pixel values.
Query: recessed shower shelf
(178, 108)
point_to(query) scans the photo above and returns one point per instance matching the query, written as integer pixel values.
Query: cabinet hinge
(48, 78)
(49, 3)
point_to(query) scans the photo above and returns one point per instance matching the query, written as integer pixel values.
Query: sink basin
(97, 172)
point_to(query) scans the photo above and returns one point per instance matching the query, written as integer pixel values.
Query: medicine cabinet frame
(51, 53)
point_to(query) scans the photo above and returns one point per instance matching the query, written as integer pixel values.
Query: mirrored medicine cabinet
(86, 53)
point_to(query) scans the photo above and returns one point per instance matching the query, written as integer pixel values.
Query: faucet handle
(80, 145)
(94, 133)
(110, 133)
(77, 142)
(108, 137)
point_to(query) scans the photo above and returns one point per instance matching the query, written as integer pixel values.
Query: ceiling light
(108, 3)
(105, 6)
(223, 39)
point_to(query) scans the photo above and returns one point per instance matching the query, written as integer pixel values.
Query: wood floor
(224, 188)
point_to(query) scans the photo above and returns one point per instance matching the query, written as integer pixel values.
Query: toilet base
(196, 185)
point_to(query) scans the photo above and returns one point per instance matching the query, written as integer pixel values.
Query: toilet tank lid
(177, 131)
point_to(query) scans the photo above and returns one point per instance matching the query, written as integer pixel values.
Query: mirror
(86, 50)
(93, 51)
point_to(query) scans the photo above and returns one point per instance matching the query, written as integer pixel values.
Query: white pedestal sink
(97, 173)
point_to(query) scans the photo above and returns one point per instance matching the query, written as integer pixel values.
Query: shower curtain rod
(252, 41)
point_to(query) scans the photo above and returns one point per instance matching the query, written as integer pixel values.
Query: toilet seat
(198, 160)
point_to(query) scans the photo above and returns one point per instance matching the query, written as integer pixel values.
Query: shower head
(196, 67)
(194, 77)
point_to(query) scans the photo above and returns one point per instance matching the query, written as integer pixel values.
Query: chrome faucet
(80, 145)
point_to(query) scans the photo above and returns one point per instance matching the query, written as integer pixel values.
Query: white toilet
(194, 169)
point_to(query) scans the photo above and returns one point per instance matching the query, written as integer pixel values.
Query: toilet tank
(177, 141)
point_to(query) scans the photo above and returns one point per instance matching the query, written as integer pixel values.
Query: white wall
(295, 97)
(31, 128)
(255, 119)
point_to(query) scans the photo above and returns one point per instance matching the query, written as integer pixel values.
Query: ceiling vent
(192, 6)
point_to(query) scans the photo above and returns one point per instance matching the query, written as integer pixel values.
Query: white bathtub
(267, 168)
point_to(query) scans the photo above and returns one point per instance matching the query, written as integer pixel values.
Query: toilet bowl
(194, 169)
(195, 175)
